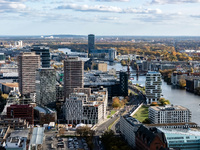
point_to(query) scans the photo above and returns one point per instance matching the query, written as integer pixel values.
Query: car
(76, 146)
(76, 143)
(70, 139)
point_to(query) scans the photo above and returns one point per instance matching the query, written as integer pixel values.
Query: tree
(182, 83)
(116, 103)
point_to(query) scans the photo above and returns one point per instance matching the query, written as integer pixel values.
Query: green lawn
(111, 113)
(141, 114)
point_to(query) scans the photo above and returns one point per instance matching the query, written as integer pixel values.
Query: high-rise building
(91, 42)
(28, 62)
(73, 75)
(46, 87)
(153, 86)
(44, 55)
(124, 83)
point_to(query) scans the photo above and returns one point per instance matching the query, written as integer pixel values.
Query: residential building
(21, 111)
(44, 54)
(153, 86)
(28, 62)
(182, 139)
(128, 127)
(87, 107)
(46, 87)
(169, 114)
(59, 92)
(149, 139)
(73, 75)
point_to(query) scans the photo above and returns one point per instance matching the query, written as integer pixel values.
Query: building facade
(182, 139)
(153, 86)
(86, 107)
(124, 83)
(91, 43)
(128, 127)
(21, 111)
(44, 54)
(169, 114)
(46, 87)
(28, 62)
(73, 75)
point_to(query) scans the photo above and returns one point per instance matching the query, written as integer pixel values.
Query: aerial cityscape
(99, 75)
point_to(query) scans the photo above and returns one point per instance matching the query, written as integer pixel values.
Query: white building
(169, 114)
(153, 86)
(128, 127)
(84, 107)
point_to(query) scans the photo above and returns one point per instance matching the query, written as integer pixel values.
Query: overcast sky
(100, 17)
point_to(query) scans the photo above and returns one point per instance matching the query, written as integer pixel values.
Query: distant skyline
(100, 17)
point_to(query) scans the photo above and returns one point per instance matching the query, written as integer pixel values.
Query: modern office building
(21, 111)
(123, 83)
(73, 75)
(128, 127)
(153, 86)
(183, 139)
(44, 55)
(169, 114)
(104, 54)
(91, 43)
(28, 62)
(46, 87)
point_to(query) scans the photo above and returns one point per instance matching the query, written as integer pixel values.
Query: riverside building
(153, 86)
(169, 114)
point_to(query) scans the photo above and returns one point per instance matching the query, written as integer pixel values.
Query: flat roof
(15, 84)
(37, 136)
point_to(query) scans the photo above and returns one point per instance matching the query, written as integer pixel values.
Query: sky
(100, 17)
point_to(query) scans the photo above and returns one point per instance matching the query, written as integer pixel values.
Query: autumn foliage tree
(182, 83)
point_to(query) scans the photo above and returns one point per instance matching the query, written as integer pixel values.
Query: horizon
(101, 17)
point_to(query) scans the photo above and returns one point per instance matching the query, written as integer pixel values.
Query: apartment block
(73, 75)
(153, 86)
(169, 114)
(28, 62)
(46, 87)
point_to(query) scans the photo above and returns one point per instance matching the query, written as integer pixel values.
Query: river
(178, 97)
(174, 95)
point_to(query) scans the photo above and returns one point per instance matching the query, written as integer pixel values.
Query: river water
(174, 95)
(178, 97)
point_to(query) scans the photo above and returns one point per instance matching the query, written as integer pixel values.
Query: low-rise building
(149, 139)
(15, 123)
(182, 139)
(21, 111)
(44, 115)
(169, 114)
(128, 127)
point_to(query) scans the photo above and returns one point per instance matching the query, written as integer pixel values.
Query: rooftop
(11, 84)
(169, 108)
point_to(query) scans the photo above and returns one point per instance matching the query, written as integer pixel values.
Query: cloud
(11, 6)
(173, 1)
(105, 8)
(112, 0)
(195, 16)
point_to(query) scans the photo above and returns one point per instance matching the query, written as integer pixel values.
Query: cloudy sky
(101, 17)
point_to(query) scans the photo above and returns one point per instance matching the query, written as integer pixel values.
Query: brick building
(21, 111)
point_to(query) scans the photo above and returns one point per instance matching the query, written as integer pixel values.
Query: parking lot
(69, 143)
